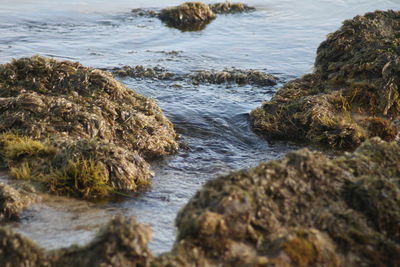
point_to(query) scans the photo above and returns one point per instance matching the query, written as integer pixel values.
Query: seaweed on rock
(230, 8)
(301, 210)
(353, 93)
(55, 114)
(189, 16)
(122, 242)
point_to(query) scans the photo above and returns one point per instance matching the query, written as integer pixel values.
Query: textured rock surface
(122, 242)
(353, 93)
(229, 8)
(61, 113)
(302, 210)
(189, 16)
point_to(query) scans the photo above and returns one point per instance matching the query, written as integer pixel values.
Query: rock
(11, 203)
(122, 242)
(16, 250)
(301, 210)
(235, 76)
(228, 75)
(352, 94)
(229, 8)
(142, 72)
(59, 119)
(189, 16)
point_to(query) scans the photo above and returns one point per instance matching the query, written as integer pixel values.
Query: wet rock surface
(62, 120)
(352, 94)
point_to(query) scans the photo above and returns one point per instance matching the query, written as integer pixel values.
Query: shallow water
(281, 37)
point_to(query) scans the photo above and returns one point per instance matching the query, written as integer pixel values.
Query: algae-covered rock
(11, 203)
(122, 242)
(229, 8)
(234, 76)
(189, 16)
(58, 115)
(352, 94)
(16, 250)
(302, 210)
(141, 72)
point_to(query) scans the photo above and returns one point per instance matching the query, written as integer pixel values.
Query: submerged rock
(77, 129)
(229, 8)
(301, 210)
(141, 72)
(228, 75)
(353, 93)
(234, 75)
(189, 16)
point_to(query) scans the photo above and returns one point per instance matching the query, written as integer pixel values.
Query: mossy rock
(54, 114)
(353, 93)
(302, 210)
(189, 16)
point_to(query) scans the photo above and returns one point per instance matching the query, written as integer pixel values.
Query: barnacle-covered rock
(122, 242)
(353, 93)
(302, 210)
(59, 114)
(189, 16)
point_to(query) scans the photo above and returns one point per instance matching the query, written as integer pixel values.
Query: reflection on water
(212, 120)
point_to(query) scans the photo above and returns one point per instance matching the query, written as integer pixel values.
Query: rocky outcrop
(301, 210)
(77, 128)
(353, 93)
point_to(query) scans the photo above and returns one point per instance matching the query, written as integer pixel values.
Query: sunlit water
(281, 37)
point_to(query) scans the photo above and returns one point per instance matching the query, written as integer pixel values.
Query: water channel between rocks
(281, 38)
